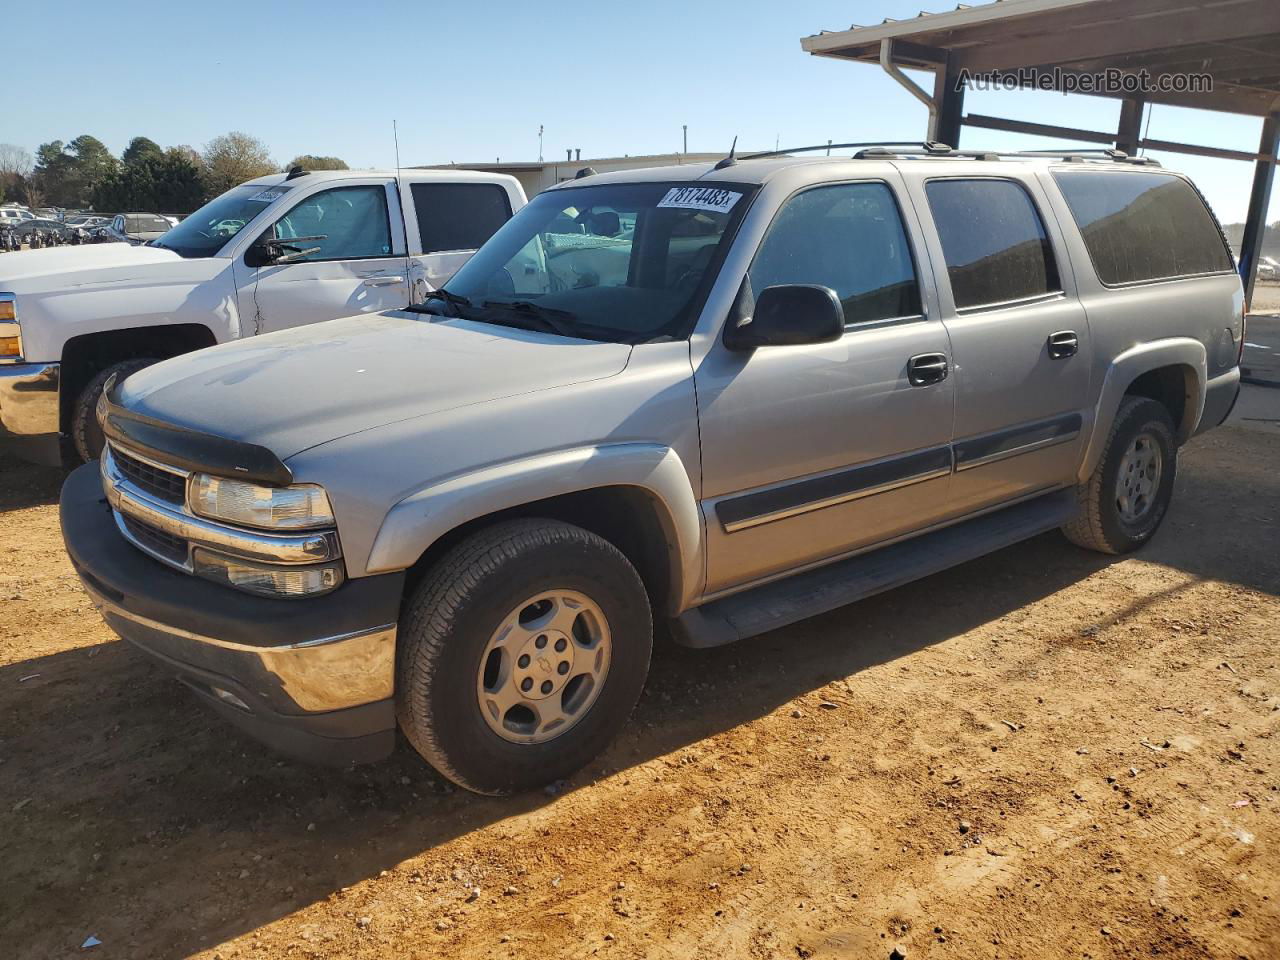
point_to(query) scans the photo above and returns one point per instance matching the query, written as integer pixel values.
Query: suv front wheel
(521, 654)
(1124, 502)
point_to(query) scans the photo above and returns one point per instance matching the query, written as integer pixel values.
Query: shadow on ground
(139, 782)
(25, 485)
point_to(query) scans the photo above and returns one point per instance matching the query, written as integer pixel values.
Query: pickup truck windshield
(626, 262)
(207, 230)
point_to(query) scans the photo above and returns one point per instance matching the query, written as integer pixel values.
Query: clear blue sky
(472, 81)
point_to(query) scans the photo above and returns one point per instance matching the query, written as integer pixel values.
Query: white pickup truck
(276, 252)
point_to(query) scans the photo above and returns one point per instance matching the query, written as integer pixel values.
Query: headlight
(271, 508)
(264, 579)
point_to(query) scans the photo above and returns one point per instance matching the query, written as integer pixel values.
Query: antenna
(404, 223)
(730, 160)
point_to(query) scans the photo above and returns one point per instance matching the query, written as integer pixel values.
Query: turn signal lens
(8, 311)
(10, 346)
(264, 579)
(271, 508)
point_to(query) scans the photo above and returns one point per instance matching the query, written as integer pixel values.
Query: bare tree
(33, 195)
(15, 160)
(234, 158)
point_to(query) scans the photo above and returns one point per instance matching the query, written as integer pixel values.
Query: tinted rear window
(145, 224)
(459, 216)
(994, 241)
(1141, 226)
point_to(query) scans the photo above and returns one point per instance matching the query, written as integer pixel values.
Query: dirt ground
(1266, 297)
(1042, 754)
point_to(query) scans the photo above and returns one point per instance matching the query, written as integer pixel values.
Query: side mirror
(268, 252)
(789, 314)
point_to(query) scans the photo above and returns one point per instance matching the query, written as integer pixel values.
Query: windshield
(207, 230)
(627, 262)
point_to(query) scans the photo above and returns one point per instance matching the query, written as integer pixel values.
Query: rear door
(449, 221)
(356, 263)
(1018, 334)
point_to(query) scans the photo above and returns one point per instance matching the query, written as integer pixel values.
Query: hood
(95, 262)
(292, 390)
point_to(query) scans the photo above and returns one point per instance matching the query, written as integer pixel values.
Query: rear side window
(459, 216)
(1141, 226)
(848, 237)
(993, 240)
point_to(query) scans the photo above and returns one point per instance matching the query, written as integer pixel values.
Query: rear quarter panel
(1160, 316)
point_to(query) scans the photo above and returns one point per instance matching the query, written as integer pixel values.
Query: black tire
(1100, 524)
(448, 621)
(86, 435)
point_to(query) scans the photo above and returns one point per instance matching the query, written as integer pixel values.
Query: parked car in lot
(723, 398)
(1268, 268)
(135, 228)
(47, 228)
(86, 221)
(13, 216)
(277, 252)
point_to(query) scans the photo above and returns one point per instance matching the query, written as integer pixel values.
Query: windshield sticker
(266, 196)
(700, 198)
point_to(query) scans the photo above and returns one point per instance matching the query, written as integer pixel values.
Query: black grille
(161, 484)
(157, 541)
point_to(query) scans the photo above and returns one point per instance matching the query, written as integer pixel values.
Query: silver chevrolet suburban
(715, 399)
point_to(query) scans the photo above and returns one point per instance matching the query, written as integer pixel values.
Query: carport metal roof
(1235, 42)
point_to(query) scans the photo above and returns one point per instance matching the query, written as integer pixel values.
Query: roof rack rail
(1109, 153)
(931, 148)
(927, 146)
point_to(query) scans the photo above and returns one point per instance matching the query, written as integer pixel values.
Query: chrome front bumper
(28, 401)
(313, 677)
(310, 676)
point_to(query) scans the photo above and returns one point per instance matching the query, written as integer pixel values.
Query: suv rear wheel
(1125, 500)
(521, 654)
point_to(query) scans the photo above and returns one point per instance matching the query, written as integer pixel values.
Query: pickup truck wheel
(86, 435)
(521, 655)
(1128, 495)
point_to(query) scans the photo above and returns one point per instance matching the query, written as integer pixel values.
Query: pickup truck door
(812, 451)
(359, 265)
(1019, 336)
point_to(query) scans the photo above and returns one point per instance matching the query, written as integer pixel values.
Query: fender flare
(427, 514)
(1127, 367)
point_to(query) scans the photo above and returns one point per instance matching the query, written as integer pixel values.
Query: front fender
(186, 291)
(1184, 352)
(420, 519)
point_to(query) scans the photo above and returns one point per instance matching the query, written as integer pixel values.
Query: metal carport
(1236, 42)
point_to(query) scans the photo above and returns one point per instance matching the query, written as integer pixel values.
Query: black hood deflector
(189, 449)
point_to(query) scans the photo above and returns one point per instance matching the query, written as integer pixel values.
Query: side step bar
(783, 602)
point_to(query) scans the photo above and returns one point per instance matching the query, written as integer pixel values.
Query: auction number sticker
(714, 199)
(266, 196)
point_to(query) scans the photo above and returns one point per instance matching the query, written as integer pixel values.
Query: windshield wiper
(452, 299)
(545, 318)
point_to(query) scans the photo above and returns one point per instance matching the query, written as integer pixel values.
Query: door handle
(1063, 344)
(926, 368)
(382, 281)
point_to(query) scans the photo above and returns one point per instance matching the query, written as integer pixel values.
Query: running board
(803, 595)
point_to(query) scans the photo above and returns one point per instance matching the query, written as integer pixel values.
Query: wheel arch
(84, 356)
(1172, 372)
(637, 496)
